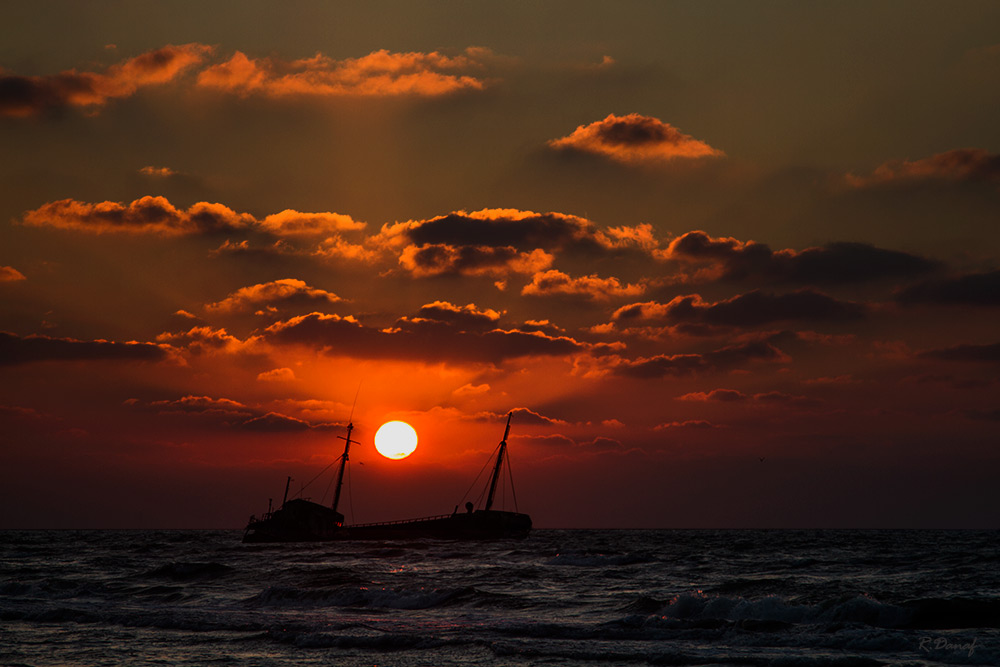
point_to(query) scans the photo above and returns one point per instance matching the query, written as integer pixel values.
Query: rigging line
(304, 486)
(355, 404)
(327, 491)
(510, 478)
(476, 480)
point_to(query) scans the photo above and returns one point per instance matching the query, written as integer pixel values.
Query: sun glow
(395, 440)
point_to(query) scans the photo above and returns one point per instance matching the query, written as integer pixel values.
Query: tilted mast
(343, 464)
(499, 465)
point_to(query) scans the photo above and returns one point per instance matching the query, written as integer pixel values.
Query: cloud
(765, 398)
(157, 172)
(16, 350)
(688, 424)
(634, 139)
(592, 287)
(494, 236)
(975, 353)
(441, 259)
(465, 318)
(959, 165)
(8, 274)
(156, 215)
(724, 395)
(527, 416)
(471, 390)
(745, 310)
(979, 289)
(23, 96)
(272, 422)
(722, 359)
(227, 413)
(272, 296)
(202, 340)
(147, 215)
(835, 263)
(378, 74)
(415, 339)
(277, 375)
(293, 223)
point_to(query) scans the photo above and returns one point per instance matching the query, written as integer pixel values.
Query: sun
(395, 440)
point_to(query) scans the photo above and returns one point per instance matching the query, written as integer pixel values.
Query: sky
(728, 264)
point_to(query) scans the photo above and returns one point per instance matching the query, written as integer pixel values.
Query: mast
(287, 484)
(499, 464)
(343, 464)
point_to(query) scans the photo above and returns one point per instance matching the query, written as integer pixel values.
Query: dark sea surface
(561, 597)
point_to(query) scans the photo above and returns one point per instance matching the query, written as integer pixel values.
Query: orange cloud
(380, 73)
(634, 139)
(8, 274)
(435, 259)
(501, 241)
(557, 283)
(156, 215)
(277, 375)
(23, 96)
(203, 339)
(523, 230)
(293, 223)
(148, 215)
(962, 164)
(157, 172)
(270, 296)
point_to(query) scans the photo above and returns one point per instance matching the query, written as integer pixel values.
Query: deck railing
(401, 521)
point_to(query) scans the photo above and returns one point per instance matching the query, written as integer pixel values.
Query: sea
(559, 597)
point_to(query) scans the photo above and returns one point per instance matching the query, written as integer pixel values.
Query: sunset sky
(731, 264)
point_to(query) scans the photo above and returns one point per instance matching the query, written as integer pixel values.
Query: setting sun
(395, 440)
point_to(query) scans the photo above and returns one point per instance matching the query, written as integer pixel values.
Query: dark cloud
(697, 424)
(420, 340)
(506, 228)
(744, 310)
(22, 96)
(979, 289)
(972, 353)
(723, 359)
(22, 350)
(834, 263)
(962, 164)
(724, 395)
(273, 422)
(436, 259)
(553, 283)
(634, 138)
(146, 215)
(227, 413)
(464, 318)
(501, 241)
(526, 416)
(284, 293)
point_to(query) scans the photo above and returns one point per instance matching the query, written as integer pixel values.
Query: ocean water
(573, 597)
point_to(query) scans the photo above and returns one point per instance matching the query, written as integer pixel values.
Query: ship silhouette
(302, 520)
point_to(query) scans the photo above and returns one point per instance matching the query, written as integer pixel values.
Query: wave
(920, 614)
(181, 571)
(381, 598)
(597, 560)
